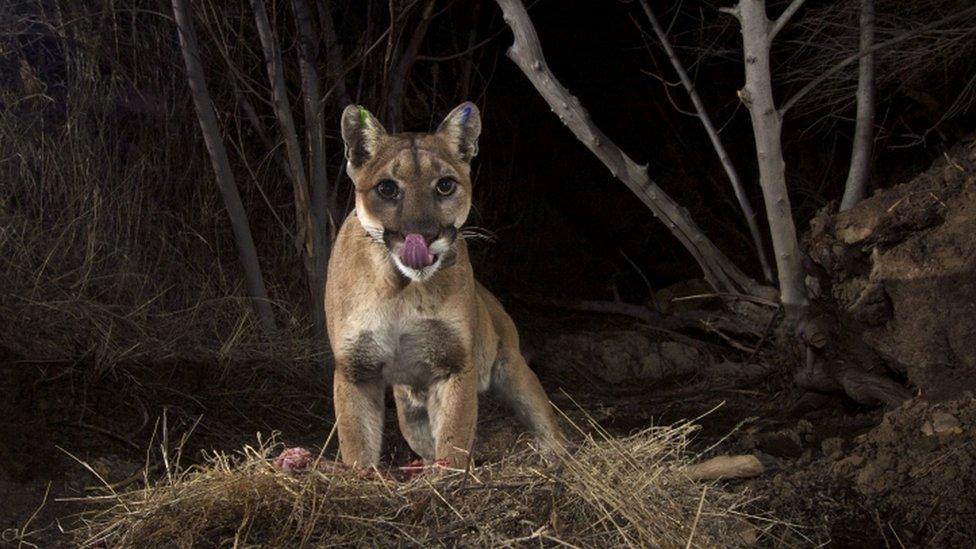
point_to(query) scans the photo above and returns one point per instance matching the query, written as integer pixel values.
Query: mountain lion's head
(413, 190)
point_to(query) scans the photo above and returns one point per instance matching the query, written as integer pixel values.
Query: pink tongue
(414, 253)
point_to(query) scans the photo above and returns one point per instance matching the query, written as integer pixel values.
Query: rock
(747, 533)
(785, 443)
(619, 356)
(942, 424)
(849, 463)
(833, 447)
(872, 306)
(813, 286)
(867, 478)
(854, 231)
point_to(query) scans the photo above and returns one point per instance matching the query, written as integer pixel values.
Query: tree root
(861, 386)
(867, 388)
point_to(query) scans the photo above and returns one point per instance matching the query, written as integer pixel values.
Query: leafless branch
(398, 78)
(286, 125)
(784, 18)
(526, 52)
(317, 258)
(876, 47)
(757, 95)
(713, 136)
(333, 56)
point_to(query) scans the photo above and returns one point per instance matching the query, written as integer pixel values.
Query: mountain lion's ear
(361, 132)
(461, 129)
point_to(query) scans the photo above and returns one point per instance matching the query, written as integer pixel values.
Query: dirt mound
(905, 482)
(919, 464)
(902, 266)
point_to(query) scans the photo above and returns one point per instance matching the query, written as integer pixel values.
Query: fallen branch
(739, 371)
(726, 467)
(870, 389)
(699, 320)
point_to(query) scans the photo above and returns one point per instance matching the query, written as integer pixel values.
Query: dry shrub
(607, 492)
(114, 245)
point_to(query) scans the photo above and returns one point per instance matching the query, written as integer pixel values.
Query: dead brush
(113, 247)
(608, 492)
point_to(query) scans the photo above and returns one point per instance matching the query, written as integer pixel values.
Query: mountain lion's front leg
(414, 421)
(359, 417)
(453, 408)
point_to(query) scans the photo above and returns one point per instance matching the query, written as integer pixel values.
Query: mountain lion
(402, 304)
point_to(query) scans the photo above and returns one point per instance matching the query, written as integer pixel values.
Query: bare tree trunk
(526, 52)
(757, 34)
(317, 262)
(857, 177)
(767, 122)
(254, 282)
(286, 124)
(252, 117)
(312, 227)
(717, 144)
(398, 78)
(333, 57)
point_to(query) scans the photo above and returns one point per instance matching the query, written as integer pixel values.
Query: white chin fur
(417, 275)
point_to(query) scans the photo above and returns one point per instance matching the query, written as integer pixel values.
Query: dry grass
(114, 245)
(608, 492)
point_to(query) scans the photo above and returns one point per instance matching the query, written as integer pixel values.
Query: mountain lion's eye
(387, 189)
(445, 186)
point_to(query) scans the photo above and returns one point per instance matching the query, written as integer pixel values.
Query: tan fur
(436, 336)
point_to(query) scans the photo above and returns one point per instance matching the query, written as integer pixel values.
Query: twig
(400, 74)
(723, 155)
(765, 334)
(333, 56)
(694, 525)
(876, 47)
(784, 18)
